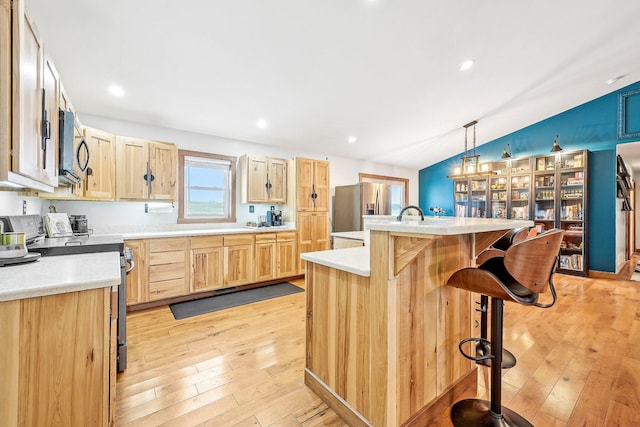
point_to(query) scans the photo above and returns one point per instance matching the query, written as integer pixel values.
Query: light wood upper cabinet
(312, 180)
(263, 180)
(206, 263)
(99, 180)
(32, 145)
(147, 170)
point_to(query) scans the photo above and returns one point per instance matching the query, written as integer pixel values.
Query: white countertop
(59, 274)
(357, 260)
(352, 260)
(450, 225)
(202, 232)
(353, 235)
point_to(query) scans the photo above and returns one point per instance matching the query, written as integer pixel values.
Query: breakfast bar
(382, 326)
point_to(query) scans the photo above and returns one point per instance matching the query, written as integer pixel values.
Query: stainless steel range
(36, 241)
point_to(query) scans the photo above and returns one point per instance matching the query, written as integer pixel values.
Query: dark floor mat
(182, 310)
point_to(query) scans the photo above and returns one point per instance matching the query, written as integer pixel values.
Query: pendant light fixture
(556, 145)
(470, 160)
(506, 154)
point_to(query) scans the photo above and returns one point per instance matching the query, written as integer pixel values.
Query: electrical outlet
(251, 209)
(24, 207)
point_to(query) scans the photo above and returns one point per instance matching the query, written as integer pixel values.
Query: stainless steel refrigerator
(352, 201)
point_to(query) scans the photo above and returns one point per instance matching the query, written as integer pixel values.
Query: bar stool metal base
(484, 349)
(476, 413)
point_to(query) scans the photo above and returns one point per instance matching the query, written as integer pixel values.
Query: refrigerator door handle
(378, 208)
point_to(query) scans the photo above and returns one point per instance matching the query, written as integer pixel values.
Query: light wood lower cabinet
(265, 256)
(55, 360)
(137, 279)
(168, 268)
(206, 263)
(286, 254)
(238, 259)
(181, 266)
(313, 234)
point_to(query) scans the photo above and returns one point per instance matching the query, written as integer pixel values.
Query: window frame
(182, 154)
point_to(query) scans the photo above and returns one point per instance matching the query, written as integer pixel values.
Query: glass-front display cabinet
(520, 189)
(461, 196)
(573, 206)
(478, 206)
(544, 187)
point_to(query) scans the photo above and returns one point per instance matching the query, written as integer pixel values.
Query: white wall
(104, 216)
(11, 203)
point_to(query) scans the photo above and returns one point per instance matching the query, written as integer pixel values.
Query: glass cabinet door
(520, 194)
(544, 207)
(478, 197)
(572, 207)
(498, 197)
(461, 197)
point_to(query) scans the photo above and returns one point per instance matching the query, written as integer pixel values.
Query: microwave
(71, 162)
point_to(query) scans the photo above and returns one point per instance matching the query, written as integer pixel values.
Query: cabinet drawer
(286, 236)
(166, 258)
(165, 245)
(265, 237)
(162, 272)
(240, 239)
(167, 289)
(201, 242)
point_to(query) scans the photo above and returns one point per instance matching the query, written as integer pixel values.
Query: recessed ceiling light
(352, 139)
(615, 79)
(116, 90)
(261, 123)
(466, 65)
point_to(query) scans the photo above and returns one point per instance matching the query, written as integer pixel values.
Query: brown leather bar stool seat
(483, 346)
(520, 276)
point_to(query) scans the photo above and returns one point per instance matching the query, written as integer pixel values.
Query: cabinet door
(287, 263)
(137, 279)
(131, 163)
(27, 73)
(206, 269)
(51, 85)
(257, 180)
(304, 183)
(100, 175)
(321, 185)
(313, 234)
(163, 163)
(5, 88)
(265, 261)
(278, 181)
(238, 265)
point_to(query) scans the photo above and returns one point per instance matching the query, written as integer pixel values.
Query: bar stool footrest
(478, 341)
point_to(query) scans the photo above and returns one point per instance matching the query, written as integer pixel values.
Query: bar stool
(483, 345)
(520, 276)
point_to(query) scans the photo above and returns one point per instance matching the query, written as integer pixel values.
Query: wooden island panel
(383, 348)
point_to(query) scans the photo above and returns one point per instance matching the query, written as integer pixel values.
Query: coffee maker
(274, 218)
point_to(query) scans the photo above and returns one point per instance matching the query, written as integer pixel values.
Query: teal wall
(592, 126)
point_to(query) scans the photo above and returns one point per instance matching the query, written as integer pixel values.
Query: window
(399, 189)
(208, 190)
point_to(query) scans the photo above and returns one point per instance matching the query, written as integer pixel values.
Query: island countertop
(59, 274)
(357, 260)
(452, 225)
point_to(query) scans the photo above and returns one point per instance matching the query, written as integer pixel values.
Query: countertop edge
(203, 232)
(352, 260)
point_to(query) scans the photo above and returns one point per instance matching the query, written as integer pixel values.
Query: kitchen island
(57, 359)
(382, 326)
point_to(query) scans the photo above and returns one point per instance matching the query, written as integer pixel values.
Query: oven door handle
(132, 265)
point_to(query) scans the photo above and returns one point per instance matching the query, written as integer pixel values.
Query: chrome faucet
(409, 207)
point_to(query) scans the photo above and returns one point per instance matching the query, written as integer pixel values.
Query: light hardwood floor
(578, 363)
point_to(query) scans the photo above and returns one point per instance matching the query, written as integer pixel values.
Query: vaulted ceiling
(320, 71)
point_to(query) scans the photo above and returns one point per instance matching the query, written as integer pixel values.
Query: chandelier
(471, 162)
